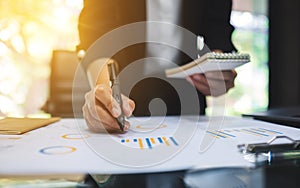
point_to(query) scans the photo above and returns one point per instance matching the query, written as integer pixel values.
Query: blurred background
(34, 33)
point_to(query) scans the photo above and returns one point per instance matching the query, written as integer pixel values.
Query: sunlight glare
(3, 49)
(77, 4)
(18, 44)
(39, 47)
(5, 35)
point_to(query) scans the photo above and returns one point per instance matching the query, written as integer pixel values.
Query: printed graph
(57, 150)
(233, 133)
(151, 127)
(149, 142)
(75, 136)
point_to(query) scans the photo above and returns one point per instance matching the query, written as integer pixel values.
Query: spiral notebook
(209, 62)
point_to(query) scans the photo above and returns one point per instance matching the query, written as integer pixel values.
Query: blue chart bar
(216, 134)
(255, 132)
(231, 133)
(222, 132)
(272, 131)
(174, 141)
(160, 140)
(258, 130)
(149, 143)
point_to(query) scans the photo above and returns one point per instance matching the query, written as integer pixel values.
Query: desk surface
(67, 147)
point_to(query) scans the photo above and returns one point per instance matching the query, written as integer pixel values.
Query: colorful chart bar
(57, 150)
(151, 142)
(271, 131)
(216, 135)
(232, 133)
(221, 134)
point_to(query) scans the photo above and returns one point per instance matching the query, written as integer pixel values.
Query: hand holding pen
(105, 107)
(116, 93)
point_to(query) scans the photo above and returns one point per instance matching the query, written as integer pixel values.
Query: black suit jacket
(208, 18)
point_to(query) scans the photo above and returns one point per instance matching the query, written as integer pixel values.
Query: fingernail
(197, 77)
(116, 111)
(126, 127)
(127, 107)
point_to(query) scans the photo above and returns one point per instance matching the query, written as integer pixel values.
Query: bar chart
(237, 132)
(150, 142)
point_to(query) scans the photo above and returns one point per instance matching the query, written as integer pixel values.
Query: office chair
(63, 97)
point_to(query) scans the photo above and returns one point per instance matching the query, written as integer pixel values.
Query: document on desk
(151, 145)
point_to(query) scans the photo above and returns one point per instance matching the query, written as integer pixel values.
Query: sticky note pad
(11, 125)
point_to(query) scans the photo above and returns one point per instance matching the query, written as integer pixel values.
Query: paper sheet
(152, 145)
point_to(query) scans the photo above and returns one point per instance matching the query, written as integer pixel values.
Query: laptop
(289, 116)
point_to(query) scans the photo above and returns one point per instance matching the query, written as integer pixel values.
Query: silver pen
(116, 92)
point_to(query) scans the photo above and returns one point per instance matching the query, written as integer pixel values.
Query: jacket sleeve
(101, 16)
(218, 29)
(93, 21)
